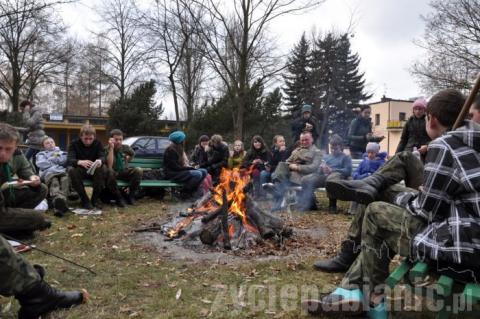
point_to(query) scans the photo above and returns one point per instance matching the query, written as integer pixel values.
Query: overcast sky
(383, 36)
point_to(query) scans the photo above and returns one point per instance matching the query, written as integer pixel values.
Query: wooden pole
(468, 103)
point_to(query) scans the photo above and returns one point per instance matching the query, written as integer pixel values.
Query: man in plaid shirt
(440, 222)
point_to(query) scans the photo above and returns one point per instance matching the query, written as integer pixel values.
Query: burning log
(268, 225)
(226, 236)
(238, 222)
(211, 231)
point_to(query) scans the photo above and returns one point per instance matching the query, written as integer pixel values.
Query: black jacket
(414, 134)
(171, 162)
(78, 151)
(357, 133)
(279, 156)
(199, 156)
(217, 158)
(298, 126)
(252, 155)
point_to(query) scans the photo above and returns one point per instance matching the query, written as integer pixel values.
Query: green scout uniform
(120, 170)
(16, 203)
(17, 275)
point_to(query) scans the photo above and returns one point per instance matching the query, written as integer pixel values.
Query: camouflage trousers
(17, 274)
(404, 166)
(387, 230)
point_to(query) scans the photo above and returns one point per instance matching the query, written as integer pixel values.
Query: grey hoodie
(51, 163)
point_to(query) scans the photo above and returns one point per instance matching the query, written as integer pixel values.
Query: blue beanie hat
(306, 108)
(177, 137)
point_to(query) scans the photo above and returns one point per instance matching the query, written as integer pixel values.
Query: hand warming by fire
(227, 216)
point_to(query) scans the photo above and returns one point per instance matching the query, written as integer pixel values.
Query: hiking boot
(130, 199)
(60, 206)
(362, 191)
(340, 263)
(87, 205)
(47, 223)
(332, 206)
(96, 202)
(120, 201)
(43, 298)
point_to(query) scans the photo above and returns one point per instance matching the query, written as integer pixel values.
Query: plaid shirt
(450, 199)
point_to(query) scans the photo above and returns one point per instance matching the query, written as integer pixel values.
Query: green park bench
(145, 164)
(445, 290)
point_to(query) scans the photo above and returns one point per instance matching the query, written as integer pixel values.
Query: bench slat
(397, 275)
(418, 272)
(472, 292)
(445, 286)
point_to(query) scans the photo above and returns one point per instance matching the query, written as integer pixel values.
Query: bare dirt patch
(314, 234)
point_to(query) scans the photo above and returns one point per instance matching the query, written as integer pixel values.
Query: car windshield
(129, 141)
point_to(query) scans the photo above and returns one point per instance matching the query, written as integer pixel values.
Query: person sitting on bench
(117, 157)
(85, 161)
(440, 222)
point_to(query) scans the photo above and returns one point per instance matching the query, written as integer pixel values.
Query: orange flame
(173, 232)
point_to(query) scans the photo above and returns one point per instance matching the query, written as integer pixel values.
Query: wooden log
(211, 231)
(268, 225)
(224, 218)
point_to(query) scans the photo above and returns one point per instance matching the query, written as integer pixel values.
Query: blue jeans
(190, 179)
(264, 177)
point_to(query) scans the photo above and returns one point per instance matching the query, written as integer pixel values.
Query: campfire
(227, 217)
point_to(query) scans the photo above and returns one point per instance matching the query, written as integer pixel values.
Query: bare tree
(238, 46)
(452, 43)
(30, 47)
(126, 52)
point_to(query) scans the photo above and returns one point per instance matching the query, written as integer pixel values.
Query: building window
(402, 116)
(377, 119)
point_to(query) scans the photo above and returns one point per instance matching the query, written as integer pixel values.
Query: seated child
(373, 159)
(51, 162)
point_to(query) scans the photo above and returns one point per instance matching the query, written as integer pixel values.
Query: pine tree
(136, 114)
(297, 79)
(337, 82)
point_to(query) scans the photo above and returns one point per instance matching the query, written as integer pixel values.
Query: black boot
(332, 206)
(96, 203)
(60, 206)
(120, 201)
(340, 263)
(85, 201)
(362, 191)
(43, 298)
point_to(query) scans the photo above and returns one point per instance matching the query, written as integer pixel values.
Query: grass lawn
(135, 281)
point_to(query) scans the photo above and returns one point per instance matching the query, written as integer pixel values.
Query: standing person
(16, 213)
(32, 117)
(84, 155)
(414, 134)
(257, 156)
(305, 123)
(117, 157)
(52, 165)
(217, 157)
(176, 166)
(25, 282)
(199, 155)
(237, 155)
(360, 132)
